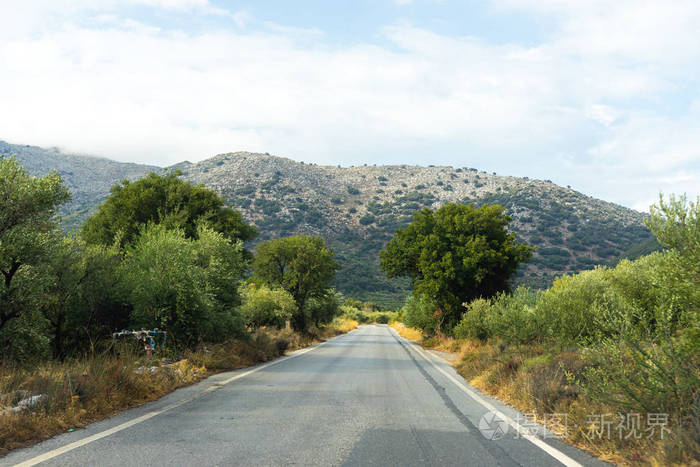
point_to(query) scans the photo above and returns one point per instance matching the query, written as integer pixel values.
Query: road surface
(365, 398)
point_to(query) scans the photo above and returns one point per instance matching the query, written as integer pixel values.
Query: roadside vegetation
(614, 351)
(367, 313)
(53, 397)
(160, 254)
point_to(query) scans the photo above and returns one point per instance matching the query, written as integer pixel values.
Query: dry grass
(78, 392)
(534, 380)
(343, 325)
(411, 334)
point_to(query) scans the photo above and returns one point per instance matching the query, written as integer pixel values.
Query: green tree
(454, 255)
(162, 199)
(175, 283)
(84, 300)
(676, 225)
(303, 265)
(225, 263)
(419, 312)
(27, 229)
(323, 309)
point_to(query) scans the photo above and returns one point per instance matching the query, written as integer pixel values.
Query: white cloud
(174, 4)
(576, 109)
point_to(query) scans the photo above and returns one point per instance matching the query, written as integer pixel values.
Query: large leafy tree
(455, 254)
(162, 199)
(27, 231)
(302, 265)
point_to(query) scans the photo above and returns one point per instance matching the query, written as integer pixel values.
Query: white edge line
(557, 454)
(103, 434)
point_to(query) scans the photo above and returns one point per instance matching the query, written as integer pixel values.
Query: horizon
(604, 98)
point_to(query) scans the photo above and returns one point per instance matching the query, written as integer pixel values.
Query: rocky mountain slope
(357, 209)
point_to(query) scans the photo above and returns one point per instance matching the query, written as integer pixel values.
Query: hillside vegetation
(357, 209)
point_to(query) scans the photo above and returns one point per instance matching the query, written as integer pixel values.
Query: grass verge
(68, 395)
(541, 382)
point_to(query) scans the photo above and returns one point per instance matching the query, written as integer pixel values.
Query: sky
(602, 96)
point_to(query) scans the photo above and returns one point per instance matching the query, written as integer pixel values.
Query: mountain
(357, 209)
(88, 178)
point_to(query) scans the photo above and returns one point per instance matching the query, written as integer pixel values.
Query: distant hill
(88, 178)
(357, 209)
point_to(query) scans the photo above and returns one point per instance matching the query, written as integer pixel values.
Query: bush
(264, 306)
(382, 317)
(367, 219)
(658, 377)
(354, 313)
(419, 313)
(570, 305)
(474, 321)
(511, 317)
(185, 286)
(514, 319)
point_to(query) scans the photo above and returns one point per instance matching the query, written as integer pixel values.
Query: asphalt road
(364, 398)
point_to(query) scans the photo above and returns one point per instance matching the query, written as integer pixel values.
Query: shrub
(658, 377)
(351, 312)
(474, 321)
(511, 317)
(264, 306)
(367, 219)
(566, 306)
(185, 286)
(268, 206)
(514, 318)
(419, 313)
(382, 318)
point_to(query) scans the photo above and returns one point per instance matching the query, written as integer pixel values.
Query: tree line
(158, 253)
(163, 253)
